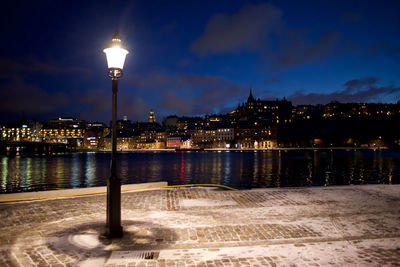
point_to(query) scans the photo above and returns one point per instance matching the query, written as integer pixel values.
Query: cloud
(96, 101)
(298, 50)
(394, 52)
(386, 49)
(185, 62)
(136, 108)
(242, 31)
(185, 93)
(353, 86)
(175, 102)
(261, 29)
(358, 90)
(274, 79)
(11, 67)
(350, 17)
(169, 28)
(17, 95)
(375, 49)
(212, 99)
(96, 105)
(159, 80)
(217, 96)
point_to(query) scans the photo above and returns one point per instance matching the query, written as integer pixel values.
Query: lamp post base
(113, 226)
(114, 232)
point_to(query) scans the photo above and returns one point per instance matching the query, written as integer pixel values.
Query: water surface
(232, 168)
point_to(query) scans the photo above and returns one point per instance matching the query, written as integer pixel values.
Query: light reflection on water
(4, 172)
(75, 171)
(90, 169)
(236, 169)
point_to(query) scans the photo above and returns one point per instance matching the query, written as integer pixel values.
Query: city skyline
(152, 116)
(195, 58)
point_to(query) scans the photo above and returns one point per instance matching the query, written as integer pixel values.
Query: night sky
(194, 57)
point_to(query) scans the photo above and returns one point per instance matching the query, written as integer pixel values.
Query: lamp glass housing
(115, 53)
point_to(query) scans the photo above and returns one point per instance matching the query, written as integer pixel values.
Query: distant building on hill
(152, 117)
(267, 112)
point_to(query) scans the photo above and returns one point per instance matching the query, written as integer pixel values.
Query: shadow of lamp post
(115, 52)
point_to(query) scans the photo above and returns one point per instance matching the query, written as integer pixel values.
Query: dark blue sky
(194, 57)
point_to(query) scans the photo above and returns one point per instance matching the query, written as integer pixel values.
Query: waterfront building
(151, 136)
(154, 136)
(178, 141)
(256, 137)
(150, 145)
(99, 128)
(94, 134)
(61, 135)
(205, 135)
(64, 130)
(186, 143)
(16, 134)
(225, 134)
(209, 137)
(161, 135)
(65, 123)
(125, 124)
(213, 135)
(91, 140)
(125, 141)
(21, 132)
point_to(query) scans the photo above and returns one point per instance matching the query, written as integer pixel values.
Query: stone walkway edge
(73, 192)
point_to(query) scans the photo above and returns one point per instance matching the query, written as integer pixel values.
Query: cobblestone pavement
(337, 226)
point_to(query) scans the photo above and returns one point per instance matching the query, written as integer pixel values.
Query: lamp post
(115, 52)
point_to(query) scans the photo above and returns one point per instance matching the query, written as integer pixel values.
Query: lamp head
(115, 52)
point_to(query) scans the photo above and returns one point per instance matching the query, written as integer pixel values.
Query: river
(276, 168)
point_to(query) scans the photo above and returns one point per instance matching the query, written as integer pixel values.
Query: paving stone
(207, 227)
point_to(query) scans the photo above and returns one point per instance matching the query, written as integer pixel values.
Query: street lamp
(115, 52)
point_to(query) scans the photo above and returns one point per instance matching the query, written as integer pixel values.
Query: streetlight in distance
(115, 52)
